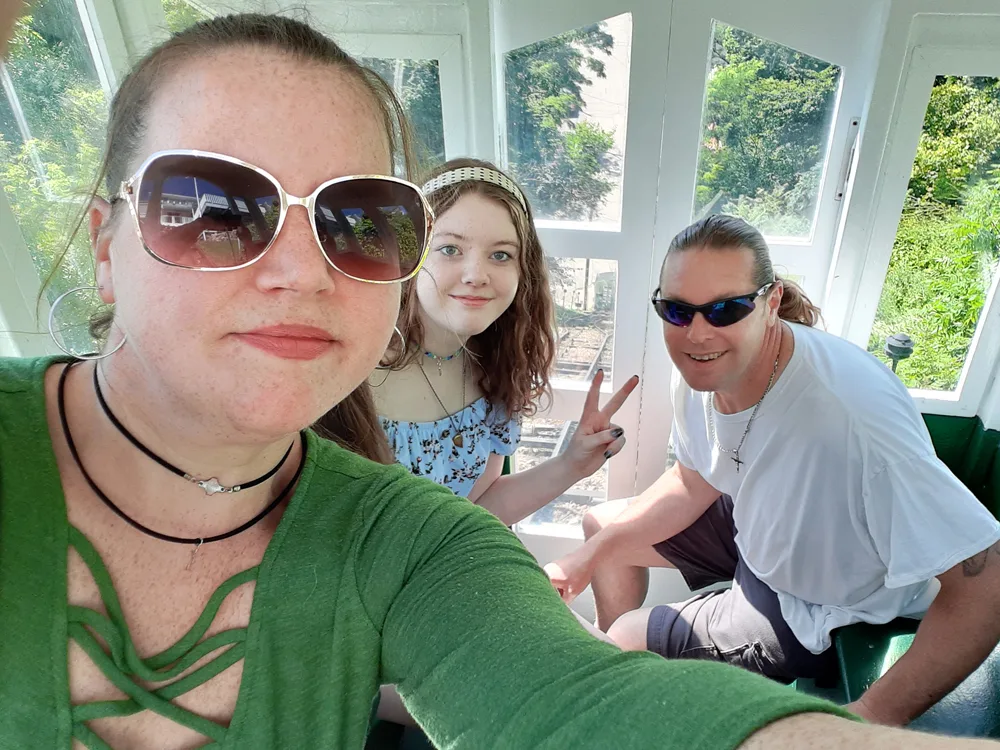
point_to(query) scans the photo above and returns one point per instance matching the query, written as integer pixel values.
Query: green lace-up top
(121, 663)
(372, 576)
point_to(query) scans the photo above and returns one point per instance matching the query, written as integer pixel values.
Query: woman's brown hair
(723, 232)
(353, 423)
(515, 354)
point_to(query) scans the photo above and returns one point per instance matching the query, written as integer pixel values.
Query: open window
(53, 107)
(566, 109)
(931, 267)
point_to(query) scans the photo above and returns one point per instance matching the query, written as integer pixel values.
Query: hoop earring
(402, 348)
(58, 343)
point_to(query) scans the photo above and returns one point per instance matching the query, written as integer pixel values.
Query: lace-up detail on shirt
(122, 665)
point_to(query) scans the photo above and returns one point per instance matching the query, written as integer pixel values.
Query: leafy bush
(934, 291)
(946, 247)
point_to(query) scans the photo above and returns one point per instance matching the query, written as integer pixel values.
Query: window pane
(584, 293)
(765, 131)
(567, 103)
(180, 14)
(418, 84)
(944, 257)
(52, 116)
(542, 439)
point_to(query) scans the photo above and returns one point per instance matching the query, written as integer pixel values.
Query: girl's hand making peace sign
(597, 438)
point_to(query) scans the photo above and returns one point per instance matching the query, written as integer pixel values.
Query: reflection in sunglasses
(213, 212)
(222, 245)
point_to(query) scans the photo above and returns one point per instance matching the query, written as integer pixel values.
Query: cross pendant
(736, 460)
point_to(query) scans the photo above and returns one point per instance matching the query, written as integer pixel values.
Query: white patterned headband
(480, 174)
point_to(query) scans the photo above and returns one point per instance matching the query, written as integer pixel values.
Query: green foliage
(406, 236)
(934, 291)
(960, 139)
(47, 174)
(947, 245)
(765, 127)
(562, 164)
(181, 14)
(781, 211)
(417, 83)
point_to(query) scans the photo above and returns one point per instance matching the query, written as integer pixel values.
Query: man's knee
(601, 515)
(629, 630)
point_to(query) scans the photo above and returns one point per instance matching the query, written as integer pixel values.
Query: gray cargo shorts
(741, 625)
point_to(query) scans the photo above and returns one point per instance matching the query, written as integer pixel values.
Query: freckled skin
(181, 361)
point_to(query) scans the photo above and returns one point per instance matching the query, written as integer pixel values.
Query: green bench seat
(866, 652)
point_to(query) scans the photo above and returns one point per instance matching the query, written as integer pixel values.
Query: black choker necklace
(211, 485)
(144, 529)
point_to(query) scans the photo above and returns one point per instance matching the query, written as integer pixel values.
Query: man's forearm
(958, 632)
(666, 508)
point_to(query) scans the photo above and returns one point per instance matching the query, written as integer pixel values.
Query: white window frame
(521, 22)
(21, 334)
(847, 34)
(22, 314)
(447, 50)
(403, 22)
(925, 44)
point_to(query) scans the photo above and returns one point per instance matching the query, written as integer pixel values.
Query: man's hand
(571, 574)
(862, 709)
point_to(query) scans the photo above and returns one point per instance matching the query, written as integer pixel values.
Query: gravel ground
(538, 438)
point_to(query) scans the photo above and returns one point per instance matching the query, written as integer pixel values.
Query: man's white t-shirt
(842, 506)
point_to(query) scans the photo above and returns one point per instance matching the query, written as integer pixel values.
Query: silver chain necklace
(457, 438)
(711, 418)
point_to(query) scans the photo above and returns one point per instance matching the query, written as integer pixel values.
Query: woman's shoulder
(21, 374)
(341, 471)
(375, 490)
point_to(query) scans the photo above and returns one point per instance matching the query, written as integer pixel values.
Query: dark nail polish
(617, 432)
(607, 454)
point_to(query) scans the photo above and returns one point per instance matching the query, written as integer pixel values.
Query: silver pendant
(212, 486)
(193, 553)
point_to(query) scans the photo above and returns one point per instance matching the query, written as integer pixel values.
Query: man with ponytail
(804, 475)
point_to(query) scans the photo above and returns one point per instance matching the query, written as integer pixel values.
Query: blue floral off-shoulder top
(428, 448)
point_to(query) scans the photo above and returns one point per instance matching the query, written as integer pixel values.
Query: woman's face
(204, 343)
(472, 271)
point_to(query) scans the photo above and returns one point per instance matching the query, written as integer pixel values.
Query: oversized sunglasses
(720, 313)
(211, 212)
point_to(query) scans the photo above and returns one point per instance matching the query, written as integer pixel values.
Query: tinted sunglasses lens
(674, 313)
(203, 212)
(729, 311)
(372, 229)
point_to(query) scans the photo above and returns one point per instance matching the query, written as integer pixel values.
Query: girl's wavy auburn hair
(353, 423)
(515, 354)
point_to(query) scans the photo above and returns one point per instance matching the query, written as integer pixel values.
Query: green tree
(765, 126)
(181, 14)
(47, 171)
(934, 291)
(945, 253)
(417, 83)
(960, 140)
(562, 164)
